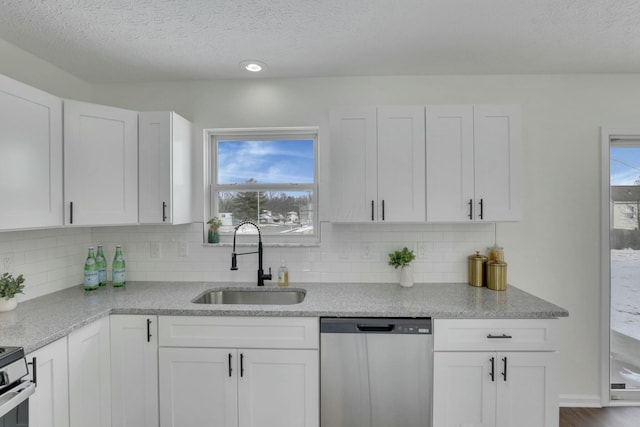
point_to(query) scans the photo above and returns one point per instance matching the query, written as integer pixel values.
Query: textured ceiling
(150, 40)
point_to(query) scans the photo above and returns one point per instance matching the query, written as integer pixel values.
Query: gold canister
(476, 269)
(497, 275)
(496, 253)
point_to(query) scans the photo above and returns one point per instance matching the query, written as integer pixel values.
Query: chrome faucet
(234, 262)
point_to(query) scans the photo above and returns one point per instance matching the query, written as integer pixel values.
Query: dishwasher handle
(375, 328)
(375, 325)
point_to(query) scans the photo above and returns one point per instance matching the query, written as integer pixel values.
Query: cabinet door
(354, 160)
(181, 185)
(134, 371)
(528, 396)
(498, 157)
(31, 160)
(401, 164)
(450, 177)
(49, 405)
(165, 168)
(90, 376)
(464, 392)
(100, 164)
(278, 388)
(198, 387)
(155, 167)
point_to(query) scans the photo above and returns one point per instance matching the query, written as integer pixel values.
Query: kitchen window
(267, 176)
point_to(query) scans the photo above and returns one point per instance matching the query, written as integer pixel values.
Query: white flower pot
(406, 276)
(8, 305)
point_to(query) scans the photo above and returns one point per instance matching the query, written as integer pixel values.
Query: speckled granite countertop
(42, 320)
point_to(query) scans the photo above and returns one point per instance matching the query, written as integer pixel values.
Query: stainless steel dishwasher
(375, 372)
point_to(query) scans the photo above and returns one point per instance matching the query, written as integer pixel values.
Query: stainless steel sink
(252, 296)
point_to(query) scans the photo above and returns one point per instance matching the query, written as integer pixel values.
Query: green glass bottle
(90, 272)
(118, 272)
(101, 262)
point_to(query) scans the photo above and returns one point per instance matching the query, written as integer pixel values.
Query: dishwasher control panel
(375, 325)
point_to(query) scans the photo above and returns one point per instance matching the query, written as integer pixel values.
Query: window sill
(266, 245)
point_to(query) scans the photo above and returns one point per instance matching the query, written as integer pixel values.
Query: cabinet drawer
(495, 334)
(245, 332)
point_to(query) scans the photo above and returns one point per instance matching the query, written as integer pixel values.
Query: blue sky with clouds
(268, 162)
(624, 165)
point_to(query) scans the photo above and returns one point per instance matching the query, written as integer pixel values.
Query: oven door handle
(15, 396)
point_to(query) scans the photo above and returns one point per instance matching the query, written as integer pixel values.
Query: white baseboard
(580, 401)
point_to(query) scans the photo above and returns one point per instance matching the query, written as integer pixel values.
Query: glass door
(624, 243)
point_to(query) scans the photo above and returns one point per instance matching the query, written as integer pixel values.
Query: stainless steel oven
(15, 388)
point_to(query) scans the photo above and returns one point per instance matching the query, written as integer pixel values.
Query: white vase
(406, 276)
(8, 304)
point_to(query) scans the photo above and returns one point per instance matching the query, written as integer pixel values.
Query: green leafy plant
(9, 286)
(215, 222)
(401, 258)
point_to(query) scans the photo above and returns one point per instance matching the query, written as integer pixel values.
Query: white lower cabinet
(467, 394)
(197, 387)
(90, 375)
(236, 386)
(501, 388)
(134, 371)
(278, 388)
(49, 405)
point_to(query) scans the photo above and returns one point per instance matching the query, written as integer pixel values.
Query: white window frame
(212, 136)
(628, 397)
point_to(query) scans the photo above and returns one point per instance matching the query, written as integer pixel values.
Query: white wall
(21, 65)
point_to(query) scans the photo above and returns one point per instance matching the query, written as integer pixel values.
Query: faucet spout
(234, 256)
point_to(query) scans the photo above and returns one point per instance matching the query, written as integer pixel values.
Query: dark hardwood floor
(600, 417)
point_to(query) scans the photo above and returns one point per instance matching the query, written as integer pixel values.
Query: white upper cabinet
(449, 162)
(473, 163)
(100, 164)
(164, 168)
(401, 173)
(354, 164)
(30, 157)
(377, 164)
(498, 161)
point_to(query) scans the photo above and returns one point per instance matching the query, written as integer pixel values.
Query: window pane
(277, 212)
(265, 162)
(624, 241)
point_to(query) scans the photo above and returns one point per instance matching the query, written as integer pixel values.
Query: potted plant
(214, 224)
(9, 287)
(402, 259)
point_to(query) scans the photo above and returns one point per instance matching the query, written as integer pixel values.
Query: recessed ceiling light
(253, 66)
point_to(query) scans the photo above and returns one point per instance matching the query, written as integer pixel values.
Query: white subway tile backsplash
(52, 259)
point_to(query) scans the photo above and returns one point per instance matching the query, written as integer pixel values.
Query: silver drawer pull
(503, 336)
